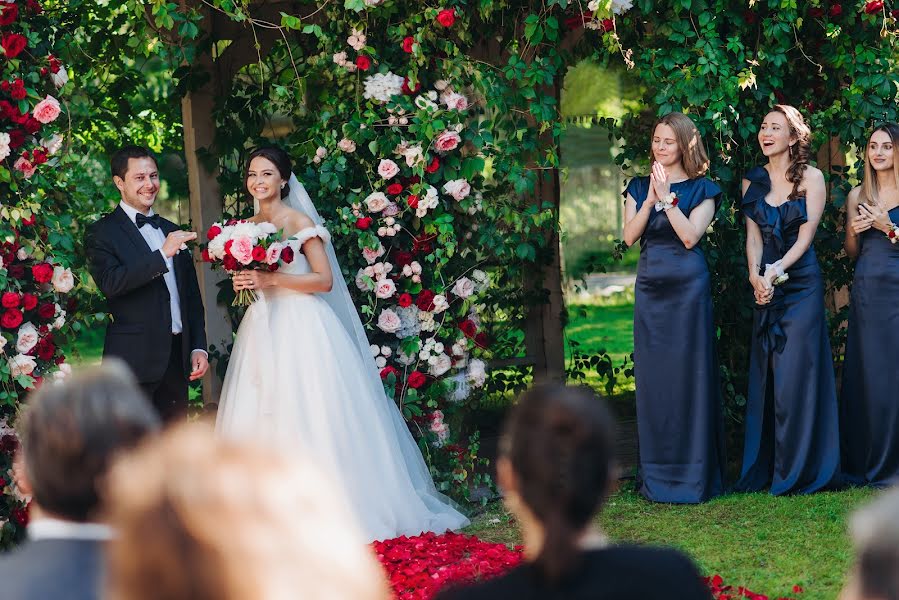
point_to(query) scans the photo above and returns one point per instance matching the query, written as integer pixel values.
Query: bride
(301, 373)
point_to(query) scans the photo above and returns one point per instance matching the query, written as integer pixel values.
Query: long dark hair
(277, 157)
(801, 151)
(560, 443)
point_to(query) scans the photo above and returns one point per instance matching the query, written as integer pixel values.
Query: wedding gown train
(296, 380)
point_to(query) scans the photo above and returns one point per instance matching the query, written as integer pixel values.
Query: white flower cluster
(356, 40)
(380, 354)
(427, 101)
(397, 116)
(413, 270)
(429, 201)
(320, 153)
(240, 230)
(427, 321)
(390, 228)
(5, 150)
(413, 153)
(477, 373)
(382, 86)
(432, 353)
(340, 59)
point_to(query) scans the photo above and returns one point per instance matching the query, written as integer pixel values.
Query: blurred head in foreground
(875, 534)
(202, 518)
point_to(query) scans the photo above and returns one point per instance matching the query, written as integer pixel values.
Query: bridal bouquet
(242, 245)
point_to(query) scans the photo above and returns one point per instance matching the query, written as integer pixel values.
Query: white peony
(63, 280)
(60, 78)
(28, 337)
(389, 321)
(5, 150)
(441, 365)
(376, 202)
(477, 372)
(457, 188)
(382, 86)
(463, 288)
(21, 364)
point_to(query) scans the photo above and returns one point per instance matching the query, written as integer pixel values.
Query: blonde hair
(201, 518)
(870, 192)
(693, 154)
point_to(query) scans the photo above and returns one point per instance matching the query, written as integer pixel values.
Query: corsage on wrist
(780, 275)
(669, 200)
(893, 233)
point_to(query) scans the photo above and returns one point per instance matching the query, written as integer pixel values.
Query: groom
(141, 263)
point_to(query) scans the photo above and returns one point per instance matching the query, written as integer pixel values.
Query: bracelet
(893, 233)
(780, 275)
(669, 201)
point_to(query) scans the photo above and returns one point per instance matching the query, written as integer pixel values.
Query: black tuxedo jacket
(53, 569)
(130, 275)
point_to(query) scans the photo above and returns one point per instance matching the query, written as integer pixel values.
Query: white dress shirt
(155, 239)
(57, 529)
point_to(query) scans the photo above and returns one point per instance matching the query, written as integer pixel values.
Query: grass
(765, 543)
(597, 328)
(88, 347)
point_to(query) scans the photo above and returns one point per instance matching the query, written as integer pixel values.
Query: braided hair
(801, 150)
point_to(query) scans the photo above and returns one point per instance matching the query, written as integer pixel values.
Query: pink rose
(455, 101)
(391, 210)
(387, 168)
(371, 255)
(47, 110)
(464, 287)
(389, 321)
(457, 188)
(385, 288)
(273, 254)
(25, 166)
(376, 202)
(242, 250)
(446, 141)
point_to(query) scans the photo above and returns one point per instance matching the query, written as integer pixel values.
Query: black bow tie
(152, 220)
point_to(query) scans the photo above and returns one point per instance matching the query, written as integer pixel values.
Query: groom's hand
(199, 364)
(175, 240)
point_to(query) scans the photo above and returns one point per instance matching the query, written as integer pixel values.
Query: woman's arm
(690, 230)
(815, 195)
(762, 289)
(855, 223)
(635, 220)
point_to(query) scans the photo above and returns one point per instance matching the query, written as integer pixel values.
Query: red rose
(406, 89)
(416, 379)
(11, 319)
(363, 63)
(230, 263)
(45, 349)
(404, 300)
(34, 6)
(394, 188)
(13, 44)
(835, 10)
(227, 247)
(425, 300)
(258, 253)
(213, 231)
(16, 138)
(468, 328)
(407, 44)
(29, 301)
(389, 370)
(363, 223)
(873, 7)
(816, 12)
(8, 14)
(287, 255)
(433, 166)
(46, 311)
(16, 271)
(412, 201)
(401, 258)
(205, 255)
(894, 14)
(578, 21)
(447, 17)
(609, 24)
(10, 300)
(18, 92)
(481, 340)
(42, 272)
(31, 125)
(20, 516)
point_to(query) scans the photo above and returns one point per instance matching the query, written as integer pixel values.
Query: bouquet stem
(244, 298)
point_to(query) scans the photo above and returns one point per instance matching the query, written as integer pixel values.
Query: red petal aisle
(420, 566)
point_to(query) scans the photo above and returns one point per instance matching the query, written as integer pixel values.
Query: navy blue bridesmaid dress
(792, 432)
(869, 404)
(679, 409)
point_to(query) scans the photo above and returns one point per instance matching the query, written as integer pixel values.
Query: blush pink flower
(26, 167)
(387, 168)
(385, 288)
(446, 141)
(273, 254)
(47, 110)
(242, 250)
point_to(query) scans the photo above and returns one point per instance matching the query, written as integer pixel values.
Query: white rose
(440, 304)
(381, 362)
(339, 58)
(457, 188)
(28, 337)
(376, 202)
(321, 152)
(361, 283)
(385, 288)
(441, 85)
(2, 343)
(414, 155)
(21, 364)
(454, 101)
(374, 349)
(5, 150)
(441, 365)
(22, 254)
(387, 168)
(64, 371)
(389, 321)
(52, 144)
(63, 280)
(464, 287)
(346, 145)
(60, 78)
(386, 351)
(477, 372)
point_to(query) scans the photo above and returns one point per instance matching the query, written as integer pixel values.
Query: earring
(282, 185)
(791, 151)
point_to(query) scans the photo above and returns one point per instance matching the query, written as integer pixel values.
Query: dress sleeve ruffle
(638, 188)
(304, 235)
(759, 186)
(711, 190)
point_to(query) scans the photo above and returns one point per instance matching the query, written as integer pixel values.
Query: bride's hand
(252, 280)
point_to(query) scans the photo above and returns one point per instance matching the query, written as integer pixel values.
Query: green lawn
(755, 540)
(597, 328)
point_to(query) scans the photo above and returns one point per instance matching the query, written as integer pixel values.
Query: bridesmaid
(791, 409)
(870, 413)
(679, 420)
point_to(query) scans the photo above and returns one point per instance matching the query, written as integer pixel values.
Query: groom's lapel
(130, 229)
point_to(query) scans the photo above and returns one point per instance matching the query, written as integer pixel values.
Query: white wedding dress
(297, 380)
